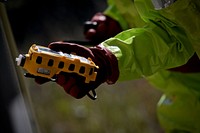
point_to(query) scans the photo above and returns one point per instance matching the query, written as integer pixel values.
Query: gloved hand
(101, 27)
(74, 84)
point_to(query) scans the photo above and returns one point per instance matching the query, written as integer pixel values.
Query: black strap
(93, 96)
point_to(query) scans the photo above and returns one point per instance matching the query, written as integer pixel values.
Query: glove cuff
(107, 62)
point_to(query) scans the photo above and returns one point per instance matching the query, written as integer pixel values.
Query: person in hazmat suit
(154, 39)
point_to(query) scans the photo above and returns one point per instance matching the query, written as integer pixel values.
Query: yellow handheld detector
(44, 62)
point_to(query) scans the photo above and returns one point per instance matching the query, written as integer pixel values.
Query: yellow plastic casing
(44, 62)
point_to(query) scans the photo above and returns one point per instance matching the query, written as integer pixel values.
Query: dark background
(44, 21)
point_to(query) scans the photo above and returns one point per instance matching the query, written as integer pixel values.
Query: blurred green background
(126, 107)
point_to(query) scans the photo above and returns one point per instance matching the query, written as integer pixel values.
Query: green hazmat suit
(154, 41)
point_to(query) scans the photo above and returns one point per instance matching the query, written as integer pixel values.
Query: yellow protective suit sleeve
(143, 51)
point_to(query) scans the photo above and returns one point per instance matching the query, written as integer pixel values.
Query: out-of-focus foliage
(121, 108)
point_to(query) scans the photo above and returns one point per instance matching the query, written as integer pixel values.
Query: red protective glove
(101, 27)
(74, 84)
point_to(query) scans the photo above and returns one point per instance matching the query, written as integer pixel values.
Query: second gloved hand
(101, 27)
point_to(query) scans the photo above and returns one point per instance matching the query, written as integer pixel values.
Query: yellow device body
(44, 62)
